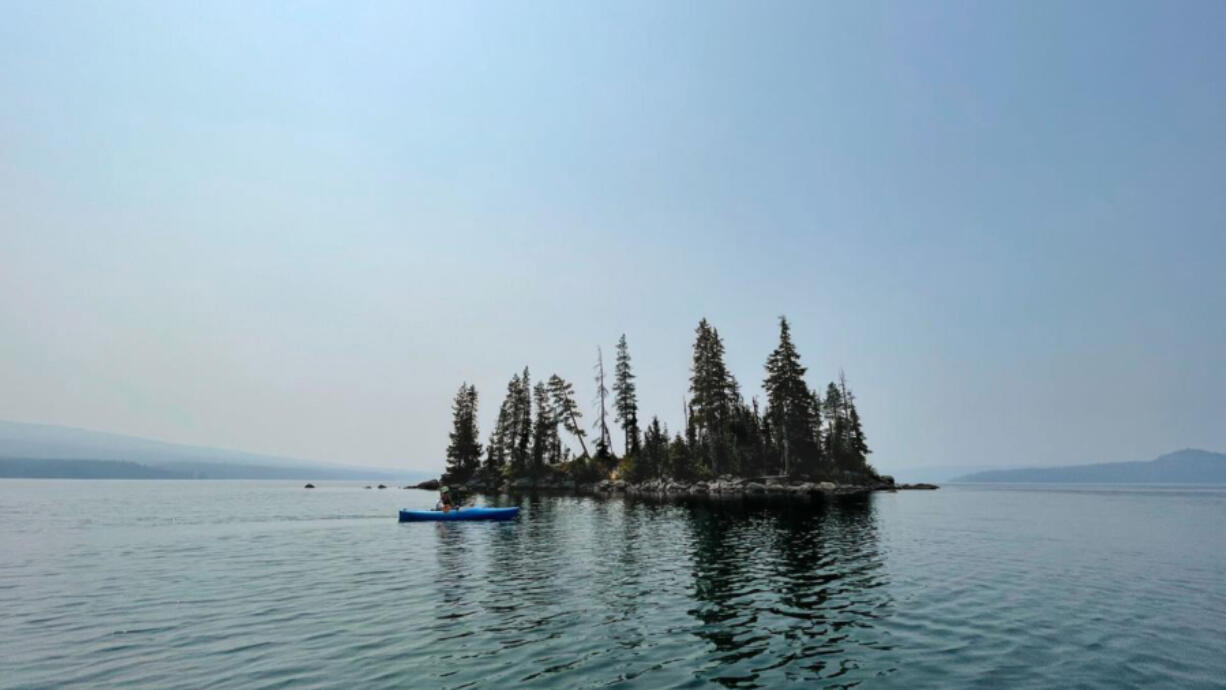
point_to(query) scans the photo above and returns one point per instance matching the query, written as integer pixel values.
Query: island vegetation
(800, 437)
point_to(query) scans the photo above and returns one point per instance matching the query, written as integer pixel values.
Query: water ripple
(258, 585)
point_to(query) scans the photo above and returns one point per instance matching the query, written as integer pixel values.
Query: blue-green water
(263, 584)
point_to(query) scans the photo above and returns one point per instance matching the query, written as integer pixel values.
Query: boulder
(309, 486)
(755, 488)
(826, 486)
(428, 485)
(381, 486)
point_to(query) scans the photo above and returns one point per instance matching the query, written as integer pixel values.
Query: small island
(802, 442)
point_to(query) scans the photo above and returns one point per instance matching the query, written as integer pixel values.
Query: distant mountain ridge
(45, 450)
(1189, 466)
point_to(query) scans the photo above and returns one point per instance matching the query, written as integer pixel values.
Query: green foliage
(509, 450)
(565, 409)
(794, 417)
(626, 406)
(585, 471)
(713, 399)
(652, 460)
(844, 440)
(800, 433)
(495, 451)
(464, 451)
(546, 444)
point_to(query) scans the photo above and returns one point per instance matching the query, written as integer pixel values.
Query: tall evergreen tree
(521, 436)
(565, 409)
(546, 446)
(464, 451)
(496, 450)
(789, 405)
(626, 405)
(713, 395)
(857, 446)
(835, 439)
(509, 450)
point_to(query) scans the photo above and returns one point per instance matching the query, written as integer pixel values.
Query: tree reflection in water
(785, 586)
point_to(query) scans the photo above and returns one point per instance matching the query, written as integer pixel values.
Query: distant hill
(25, 468)
(43, 450)
(1181, 467)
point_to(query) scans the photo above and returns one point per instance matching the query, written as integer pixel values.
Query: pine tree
(789, 405)
(521, 433)
(857, 446)
(545, 442)
(565, 409)
(680, 459)
(713, 394)
(464, 451)
(626, 405)
(835, 439)
(821, 464)
(496, 450)
(651, 461)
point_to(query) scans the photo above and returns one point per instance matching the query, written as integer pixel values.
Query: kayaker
(444, 500)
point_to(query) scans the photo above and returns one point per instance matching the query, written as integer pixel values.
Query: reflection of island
(794, 586)
(451, 550)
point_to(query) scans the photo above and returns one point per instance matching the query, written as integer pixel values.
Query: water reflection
(761, 593)
(786, 590)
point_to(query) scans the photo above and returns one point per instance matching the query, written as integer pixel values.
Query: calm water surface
(263, 584)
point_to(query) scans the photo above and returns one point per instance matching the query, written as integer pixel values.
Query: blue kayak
(473, 513)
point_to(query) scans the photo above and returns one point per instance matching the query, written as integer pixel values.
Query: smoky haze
(296, 231)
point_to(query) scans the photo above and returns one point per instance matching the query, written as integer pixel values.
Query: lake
(264, 584)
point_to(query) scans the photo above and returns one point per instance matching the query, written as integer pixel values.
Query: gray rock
(755, 487)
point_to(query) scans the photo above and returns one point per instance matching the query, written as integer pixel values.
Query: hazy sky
(296, 228)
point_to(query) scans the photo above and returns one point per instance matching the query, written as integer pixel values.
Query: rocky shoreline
(721, 487)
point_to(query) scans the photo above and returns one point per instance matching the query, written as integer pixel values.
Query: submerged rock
(309, 486)
(381, 486)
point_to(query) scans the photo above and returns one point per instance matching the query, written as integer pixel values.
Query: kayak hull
(460, 515)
